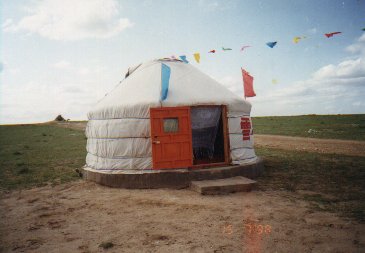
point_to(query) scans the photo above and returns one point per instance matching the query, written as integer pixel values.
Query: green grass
(347, 127)
(335, 182)
(34, 155)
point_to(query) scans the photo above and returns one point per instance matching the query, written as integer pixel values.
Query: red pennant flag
(328, 35)
(248, 84)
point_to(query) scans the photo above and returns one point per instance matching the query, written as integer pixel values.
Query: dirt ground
(79, 216)
(330, 146)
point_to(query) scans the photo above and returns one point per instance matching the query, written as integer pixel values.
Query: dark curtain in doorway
(205, 124)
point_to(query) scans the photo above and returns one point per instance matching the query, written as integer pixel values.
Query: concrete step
(223, 186)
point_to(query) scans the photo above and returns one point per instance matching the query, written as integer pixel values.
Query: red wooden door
(171, 137)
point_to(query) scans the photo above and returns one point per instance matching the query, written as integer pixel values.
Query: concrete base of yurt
(174, 178)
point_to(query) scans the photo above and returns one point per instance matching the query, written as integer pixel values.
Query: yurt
(167, 123)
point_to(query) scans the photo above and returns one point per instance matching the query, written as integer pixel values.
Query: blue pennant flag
(165, 78)
(271, 44)
(183, 58)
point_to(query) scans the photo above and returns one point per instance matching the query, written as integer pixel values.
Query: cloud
(71, 20)
(358, 47)
(332, 81)
(334, 88)
(347, 70)
(54, 92)
(84, 71)
(40, 101)
(8, 25)
(5, 69)
(62, 65)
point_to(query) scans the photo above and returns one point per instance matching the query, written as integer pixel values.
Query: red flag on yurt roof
(248, 84)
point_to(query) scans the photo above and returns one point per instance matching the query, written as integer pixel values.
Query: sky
(63, 56)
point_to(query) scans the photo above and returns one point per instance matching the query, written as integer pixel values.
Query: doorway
(209, 135)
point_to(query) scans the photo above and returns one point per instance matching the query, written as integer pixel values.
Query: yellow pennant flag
(197, 57)
(274, 81)
(296, 39)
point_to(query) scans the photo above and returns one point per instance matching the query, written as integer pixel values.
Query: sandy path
(345, 147)
(78, 216)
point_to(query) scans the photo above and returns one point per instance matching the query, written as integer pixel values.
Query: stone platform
(223, 186)
(174, 178)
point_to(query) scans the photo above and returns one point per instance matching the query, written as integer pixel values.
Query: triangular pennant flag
(328, 35)
(197, 57)
(243, 47)
(226, 48)
(212, 51)
(247, 84)
(165, 79)
(183, 58)
(296, 39)
(271, 44)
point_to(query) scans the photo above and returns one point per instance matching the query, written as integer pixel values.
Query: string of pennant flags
(270, 44)
(247, 78)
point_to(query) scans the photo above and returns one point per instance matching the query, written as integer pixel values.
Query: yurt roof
(141, 90)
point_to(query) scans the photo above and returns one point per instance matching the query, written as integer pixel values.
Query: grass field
(346, 127)
(329, 182)
(35, 155)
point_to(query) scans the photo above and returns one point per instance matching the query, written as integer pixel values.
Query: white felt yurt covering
(118, 131)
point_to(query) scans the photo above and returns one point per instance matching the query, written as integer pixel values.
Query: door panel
(171, 137)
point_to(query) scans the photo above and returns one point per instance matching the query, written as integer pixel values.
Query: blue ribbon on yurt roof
(165, 79)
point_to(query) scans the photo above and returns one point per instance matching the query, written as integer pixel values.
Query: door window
(171, 125)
